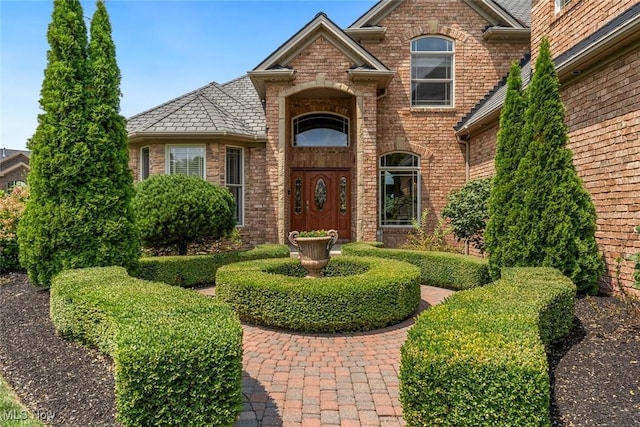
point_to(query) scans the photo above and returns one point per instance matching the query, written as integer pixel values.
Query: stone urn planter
(314, 248)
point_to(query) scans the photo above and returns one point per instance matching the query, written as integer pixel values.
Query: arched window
(399, 189)
(432, 72)
(320, 130)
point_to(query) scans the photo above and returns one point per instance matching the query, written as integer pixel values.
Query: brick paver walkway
(309, 380)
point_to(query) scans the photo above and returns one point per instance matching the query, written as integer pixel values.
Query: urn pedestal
(314, 252)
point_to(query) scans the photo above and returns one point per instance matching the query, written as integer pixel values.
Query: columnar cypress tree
(555, 223)
(48, 228)
(510, 149)
(77, 214)
(109, 188)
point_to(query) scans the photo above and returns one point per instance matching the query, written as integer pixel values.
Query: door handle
(307, 205)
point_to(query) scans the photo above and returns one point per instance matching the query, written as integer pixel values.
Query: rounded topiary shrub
(175, 210)
(356, 294)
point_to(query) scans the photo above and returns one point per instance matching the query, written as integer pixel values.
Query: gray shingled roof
(495, 98)
(233, 107)
(519, 9)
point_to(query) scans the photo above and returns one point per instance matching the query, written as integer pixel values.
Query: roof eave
(369, 34)
(4, 172)
(377, 13)
(625, 38)
(258, 78)
(381, 78)
(493, 14)
(507, 34)
(141, 137)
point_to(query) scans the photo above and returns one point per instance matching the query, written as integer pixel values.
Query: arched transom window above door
(432, 72)
(320, 130)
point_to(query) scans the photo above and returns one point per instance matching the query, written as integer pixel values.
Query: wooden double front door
(321, 200)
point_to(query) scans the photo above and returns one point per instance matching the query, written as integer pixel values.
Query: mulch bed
(595, 371)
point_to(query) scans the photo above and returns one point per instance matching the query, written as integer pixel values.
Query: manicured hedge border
(200, 270)
(442, 269)
(479, 358)
(177, 354)
(385, 294)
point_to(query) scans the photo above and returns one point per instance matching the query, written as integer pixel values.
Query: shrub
(446, 270)
(200, 270)
(480, 359)
(272, 293)
(11, 209)
(423, 239)
(177, 354)
(468, 212)
(78, 213)
(552, 220)
(175, 210)
(510, 149)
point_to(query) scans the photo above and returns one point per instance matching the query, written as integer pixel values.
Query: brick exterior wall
(252, 232)
(577, 20)
(428, 132)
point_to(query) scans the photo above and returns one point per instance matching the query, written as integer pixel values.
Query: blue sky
(165, 48)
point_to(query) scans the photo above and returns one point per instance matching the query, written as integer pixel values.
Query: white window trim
(241, 222)
(167, 157)
(293, 129)
(452, 52)
(149, 166)
(561, 4)
(417, 169)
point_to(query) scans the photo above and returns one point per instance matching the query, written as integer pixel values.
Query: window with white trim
(399, 189)
(432, 72)
(560, 4)
(144, 163)
(186, 160)
(321, 130)
(15, 183)
(234, 177)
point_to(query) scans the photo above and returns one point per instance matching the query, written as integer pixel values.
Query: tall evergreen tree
(72, 218)
(510, 149)
(555, 223)
(48, 228)
(109, 188)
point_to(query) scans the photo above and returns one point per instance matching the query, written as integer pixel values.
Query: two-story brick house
(362, 128)
(350, 128)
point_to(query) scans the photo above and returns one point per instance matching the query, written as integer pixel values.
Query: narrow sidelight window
(234, 177)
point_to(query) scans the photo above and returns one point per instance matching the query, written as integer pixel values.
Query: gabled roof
(509, 13)
(603, 44)
(277, 65)
(8, 153)
(232, 110)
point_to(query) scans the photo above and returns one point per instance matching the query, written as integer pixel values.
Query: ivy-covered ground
(596, 370)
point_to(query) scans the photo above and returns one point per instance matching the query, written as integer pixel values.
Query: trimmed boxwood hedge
(480, 357)
(443, 269)
(177, 354)
(272, 293)
(200, 270)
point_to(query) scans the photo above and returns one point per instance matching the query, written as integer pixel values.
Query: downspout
(467, 169)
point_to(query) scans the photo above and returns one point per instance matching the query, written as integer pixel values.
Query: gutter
(191, 135)
(467, 160)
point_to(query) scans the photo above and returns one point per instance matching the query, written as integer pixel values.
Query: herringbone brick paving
(292, 379)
